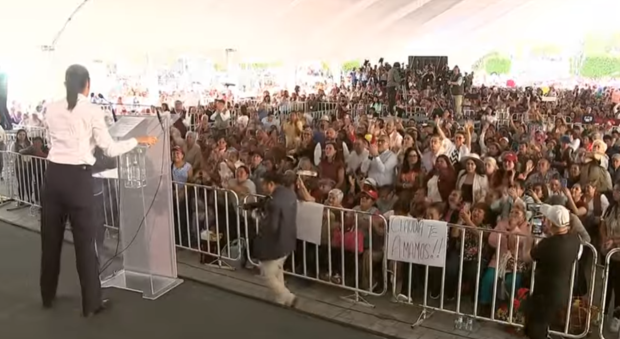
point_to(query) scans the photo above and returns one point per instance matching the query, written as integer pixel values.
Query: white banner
(548, 99)
(417, 241)
(309, 221)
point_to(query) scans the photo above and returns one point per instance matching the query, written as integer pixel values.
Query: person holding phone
(554, 257)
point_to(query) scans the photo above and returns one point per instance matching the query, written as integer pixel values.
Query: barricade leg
(369, 259)
(21, 184)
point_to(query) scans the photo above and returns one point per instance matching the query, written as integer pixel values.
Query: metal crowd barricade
(351, 267)
(202, 221)
(207, 221)
(606, 289)
(458, 274)
(325, 106)
(22, 180)
(7, 178)
(293, 106)
(358, 110)
(503, 118)
(316, 115)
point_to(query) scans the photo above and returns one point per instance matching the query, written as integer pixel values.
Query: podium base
(151, 286)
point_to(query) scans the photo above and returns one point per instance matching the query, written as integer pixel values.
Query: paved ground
(192, 310)
(201, 310)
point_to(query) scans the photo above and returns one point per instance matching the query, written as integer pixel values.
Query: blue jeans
(486, 285)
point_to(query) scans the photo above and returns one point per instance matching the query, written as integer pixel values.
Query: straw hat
(472, 156)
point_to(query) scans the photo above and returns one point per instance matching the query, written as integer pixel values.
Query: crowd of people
(480, 158)
(425, 144)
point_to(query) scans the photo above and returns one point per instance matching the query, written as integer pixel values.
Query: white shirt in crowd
(428, 158)
(354, 161)
(381, 168)
(73, 135)
(574, 144)
(604, 205)
(463, 151)
(225, 116)
(243, 121)
(267, 123)
(396, 140)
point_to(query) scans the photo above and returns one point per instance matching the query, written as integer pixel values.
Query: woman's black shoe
(105, 304)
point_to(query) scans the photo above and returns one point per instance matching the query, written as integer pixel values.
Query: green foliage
(260, 66)
(351, 65)
(600, 66)
(499, 65)
(479, 64)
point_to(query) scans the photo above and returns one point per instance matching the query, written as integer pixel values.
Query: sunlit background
(524, 39)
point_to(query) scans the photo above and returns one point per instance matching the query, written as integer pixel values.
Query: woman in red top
(410, 173)
(331, 167)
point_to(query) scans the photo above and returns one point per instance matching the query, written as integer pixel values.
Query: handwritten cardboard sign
(417, 241)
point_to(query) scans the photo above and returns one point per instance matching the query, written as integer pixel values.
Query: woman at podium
(75, 127)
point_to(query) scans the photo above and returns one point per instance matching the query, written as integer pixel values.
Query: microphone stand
(107, 102)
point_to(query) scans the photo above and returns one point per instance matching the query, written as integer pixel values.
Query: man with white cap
(554, 257)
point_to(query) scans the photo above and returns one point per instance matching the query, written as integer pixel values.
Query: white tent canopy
(270, 30)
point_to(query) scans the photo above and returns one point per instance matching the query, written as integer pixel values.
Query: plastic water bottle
(470, 324)
(133, 168)
(458, 323)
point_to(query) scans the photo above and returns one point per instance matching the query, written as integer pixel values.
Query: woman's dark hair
(545, 190)
(447, 160)
(402, 206)
(273, 177)
(76, 80)
(416, 167)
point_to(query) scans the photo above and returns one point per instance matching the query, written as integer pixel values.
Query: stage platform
(191, 310)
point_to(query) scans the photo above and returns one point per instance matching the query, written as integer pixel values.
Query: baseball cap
(370, 182)
(372, 194)
(557, 214)
(511, 157)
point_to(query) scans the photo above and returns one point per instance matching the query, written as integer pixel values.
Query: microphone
(107, 102)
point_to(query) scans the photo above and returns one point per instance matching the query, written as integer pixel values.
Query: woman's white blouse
(73, 135)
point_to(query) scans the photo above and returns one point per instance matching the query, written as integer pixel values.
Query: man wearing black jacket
(277, 236)
(554, 256)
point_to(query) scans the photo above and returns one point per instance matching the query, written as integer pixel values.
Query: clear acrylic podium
(146, 224)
